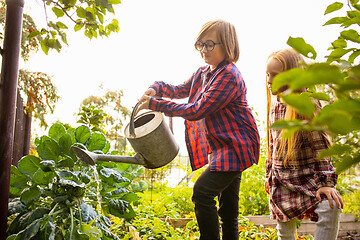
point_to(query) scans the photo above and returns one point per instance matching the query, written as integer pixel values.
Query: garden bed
(348, 224)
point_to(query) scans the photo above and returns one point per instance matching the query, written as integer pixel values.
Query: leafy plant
(56, 196)
(253, 198)
(339, 82)
(105, 113)
(348, 186)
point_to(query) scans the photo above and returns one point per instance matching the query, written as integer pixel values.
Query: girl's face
(273, 68)
(217, 55)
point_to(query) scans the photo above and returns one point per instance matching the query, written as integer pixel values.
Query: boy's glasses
(209, 45)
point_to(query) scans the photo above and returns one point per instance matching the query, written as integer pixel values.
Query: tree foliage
(336, 82)
(85, 15)
(37, 91)
(106, 113)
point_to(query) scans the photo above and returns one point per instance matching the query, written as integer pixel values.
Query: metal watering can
(149, 136)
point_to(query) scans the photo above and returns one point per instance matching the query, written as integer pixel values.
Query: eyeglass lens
(209, 45)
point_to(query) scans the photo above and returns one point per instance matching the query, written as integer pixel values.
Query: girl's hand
(267, 187)
(145, 99)
(150, 92)
(331, 194)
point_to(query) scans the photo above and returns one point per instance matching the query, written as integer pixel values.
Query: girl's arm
(222, 91)
(327, 177)
(163, 89)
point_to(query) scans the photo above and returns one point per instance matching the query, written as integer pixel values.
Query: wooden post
(8, 89)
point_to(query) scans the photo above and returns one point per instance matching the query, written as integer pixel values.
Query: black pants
(225, 186)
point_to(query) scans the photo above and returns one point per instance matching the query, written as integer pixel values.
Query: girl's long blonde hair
(289, 59)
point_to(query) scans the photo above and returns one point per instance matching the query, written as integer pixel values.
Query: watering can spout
(149, 136)
(91, 158)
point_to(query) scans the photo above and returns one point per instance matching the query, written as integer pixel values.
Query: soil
(350, 236)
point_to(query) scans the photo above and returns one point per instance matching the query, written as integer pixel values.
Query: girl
(219, 121)
(298, 182)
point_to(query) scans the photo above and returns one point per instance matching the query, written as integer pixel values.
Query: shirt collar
(208, 70)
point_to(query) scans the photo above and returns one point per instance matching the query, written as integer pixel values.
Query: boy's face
(217, 55)
(273, 68)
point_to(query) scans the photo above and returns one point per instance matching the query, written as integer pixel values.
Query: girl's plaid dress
(217, 117)
(293, 188)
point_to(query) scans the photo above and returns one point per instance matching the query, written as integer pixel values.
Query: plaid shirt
(217, 118)
(293, 189)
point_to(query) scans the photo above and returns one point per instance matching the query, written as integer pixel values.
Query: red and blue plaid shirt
(217, 117)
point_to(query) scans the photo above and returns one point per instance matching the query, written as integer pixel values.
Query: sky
(155, 43)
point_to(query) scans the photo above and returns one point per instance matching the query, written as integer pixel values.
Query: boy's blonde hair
(289, 59)
(227, 36)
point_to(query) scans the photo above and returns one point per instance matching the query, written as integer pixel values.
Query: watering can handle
(132, 127)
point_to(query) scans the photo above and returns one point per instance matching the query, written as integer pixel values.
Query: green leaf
(44, 46)
(61, 25)
(302, 47)
(349, 85)
(333, 7)
(78, 26)
(15, 206)
(100, 17)
(336, 20)
(24, 220)
(289, 126)
(48, 149)
(18, 181)
(107, 147)
(318, 95)
(353, 56)
(66, 162)
(350, 106)
(335, 150)
(88, 213)
(347, 162)
(343, 123)
(114, 1)
(29, 164)
(81, 12)
(302, 103)
(117, 207)
(339, 43)
(351, 35)
(89, 232)
(111, 176)
(68, 178)
(30, 231)
(47, 165)
(130, 197)
(34, 34)
(317, 73)
(82, 134)
(97, 141)
(117, 193)
(340, 116)
(58, 12)
(30, 195)
(338, 52)
(56, 131)
(65, 144)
